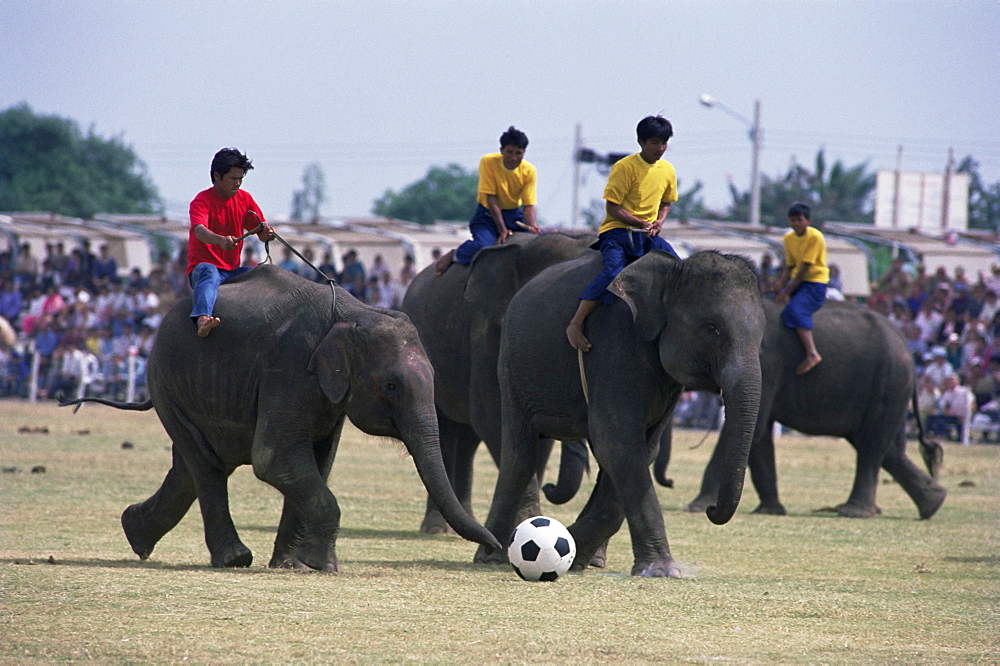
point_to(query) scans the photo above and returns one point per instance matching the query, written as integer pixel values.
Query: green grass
(804, 588)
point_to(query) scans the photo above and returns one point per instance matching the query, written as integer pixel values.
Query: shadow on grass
(361, 533)
(148, 565)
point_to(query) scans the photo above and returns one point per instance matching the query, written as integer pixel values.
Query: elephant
(696, 322)
(459, 315)
(271, 388)
(859, 392)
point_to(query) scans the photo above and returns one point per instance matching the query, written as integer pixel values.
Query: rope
(329, 280)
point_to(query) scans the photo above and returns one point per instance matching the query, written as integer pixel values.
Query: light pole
(756, 134)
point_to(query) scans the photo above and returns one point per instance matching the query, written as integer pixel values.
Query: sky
(377, 92)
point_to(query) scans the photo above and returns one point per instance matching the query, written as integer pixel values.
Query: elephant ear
(329, 361)
(493, 280)
(642, 285)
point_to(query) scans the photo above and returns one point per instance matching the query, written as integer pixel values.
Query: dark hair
(798, 208)
(654, 127)
(226, 159)
(513, 137)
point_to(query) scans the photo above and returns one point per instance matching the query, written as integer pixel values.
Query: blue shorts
(619, 248)
(484, 232)
(804, 302)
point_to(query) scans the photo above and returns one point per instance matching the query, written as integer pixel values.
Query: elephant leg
(147, 522)
(291, 526)
(626, 460)
(861, 502)
(458, 448)
(600, 519)
(925, 492)
(763, 471)
(210, 478)
(311, 508)
(710, 482)
(518, 462)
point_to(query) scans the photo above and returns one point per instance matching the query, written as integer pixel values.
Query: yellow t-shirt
(809, 248)
(512, 188)
(640, 188)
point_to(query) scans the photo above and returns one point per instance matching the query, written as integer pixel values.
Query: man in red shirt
(219, 215)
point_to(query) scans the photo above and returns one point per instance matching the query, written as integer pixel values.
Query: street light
(756, 133)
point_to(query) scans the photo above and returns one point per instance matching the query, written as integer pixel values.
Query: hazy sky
(377, 92)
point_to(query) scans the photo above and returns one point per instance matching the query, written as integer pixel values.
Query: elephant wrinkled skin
(860, 392)
(459, 316)
(271, 388)
(695, 323)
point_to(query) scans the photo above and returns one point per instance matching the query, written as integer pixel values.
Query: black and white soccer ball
(541, 549)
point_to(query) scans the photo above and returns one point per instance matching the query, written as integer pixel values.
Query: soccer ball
(541, 549)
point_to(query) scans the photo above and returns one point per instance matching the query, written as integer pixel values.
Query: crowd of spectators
(92, 327)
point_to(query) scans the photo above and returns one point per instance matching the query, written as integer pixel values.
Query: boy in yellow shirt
(801, 287)
(639, 192)
(506, 199)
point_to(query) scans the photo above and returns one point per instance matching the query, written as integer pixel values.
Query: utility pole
(755, 136)
(946, 190)
(574, 219)
(898, 178)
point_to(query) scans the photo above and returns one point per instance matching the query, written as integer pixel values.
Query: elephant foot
(238, 556)
(132, 523)
(700, 504)
(489, 556)
(434, 523)
(600, 558)
(295, 563)
(776, 509)
(848, 510)
(932, 501)
(660, 569)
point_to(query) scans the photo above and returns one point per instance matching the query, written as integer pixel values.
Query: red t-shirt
(224, 217)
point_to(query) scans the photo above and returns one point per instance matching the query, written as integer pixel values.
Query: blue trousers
(619, 248)
(484, 232)
(205, 280)
(799, 310)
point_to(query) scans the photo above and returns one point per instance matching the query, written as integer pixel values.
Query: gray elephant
(860, 392)
(271, 388)
(696, 323)
(459, 316)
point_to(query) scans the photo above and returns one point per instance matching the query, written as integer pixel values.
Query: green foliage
(48, 164)
(690, 205)
(445, 193)
(837, 194)
(984, 200)
(307, 202)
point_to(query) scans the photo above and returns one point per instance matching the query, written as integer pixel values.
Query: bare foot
(577, 340)
(808, 364)
(206, 324)
(443, 262)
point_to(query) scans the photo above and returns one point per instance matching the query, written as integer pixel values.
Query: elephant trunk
(741, 395)
(425, 448)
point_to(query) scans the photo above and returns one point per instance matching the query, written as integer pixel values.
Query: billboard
(920, 202)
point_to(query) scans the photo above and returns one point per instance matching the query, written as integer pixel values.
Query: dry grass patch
(808, 587)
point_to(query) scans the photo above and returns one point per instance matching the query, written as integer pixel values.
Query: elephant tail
(930, 451)
(132, 406)
(572, 464)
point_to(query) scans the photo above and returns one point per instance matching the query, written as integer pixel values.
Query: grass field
(804, 588)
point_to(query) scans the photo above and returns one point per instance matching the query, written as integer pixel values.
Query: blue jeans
(205, 280)
(619, 248)
(484, 231)
(808, 297)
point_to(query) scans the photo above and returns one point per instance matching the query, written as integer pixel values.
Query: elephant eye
(390, 387)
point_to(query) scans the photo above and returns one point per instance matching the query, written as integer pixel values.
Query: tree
(840, 194)
(48, 164)
(307, 202)
(984, 200)
(445, 193)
